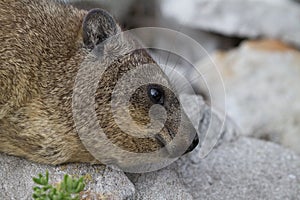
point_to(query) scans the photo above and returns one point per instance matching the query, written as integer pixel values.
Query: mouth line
(161, 141)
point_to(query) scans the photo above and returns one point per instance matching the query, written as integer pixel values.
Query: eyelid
(162, 99)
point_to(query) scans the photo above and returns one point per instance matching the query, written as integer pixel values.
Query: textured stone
(213, 127)
(160, 185)
(243, 18)
(262, 89)
(16, 178)
(242, 169)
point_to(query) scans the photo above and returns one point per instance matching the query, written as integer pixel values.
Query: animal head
(135, 104)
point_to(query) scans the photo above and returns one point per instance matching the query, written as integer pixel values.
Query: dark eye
(156, 94)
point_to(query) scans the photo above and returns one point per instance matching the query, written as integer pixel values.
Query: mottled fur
(42, 47)
(40, 51)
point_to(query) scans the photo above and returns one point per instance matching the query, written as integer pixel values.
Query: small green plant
(68, 189)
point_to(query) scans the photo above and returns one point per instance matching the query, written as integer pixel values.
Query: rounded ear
(98, 25)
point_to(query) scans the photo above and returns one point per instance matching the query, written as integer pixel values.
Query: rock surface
(243, 18)
(16, 179)
(242, 169)
(262, 90)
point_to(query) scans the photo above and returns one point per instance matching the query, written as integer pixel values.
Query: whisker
(173, 68)
(189, 83)
(159, 55)
(167, 60)
(173, 46)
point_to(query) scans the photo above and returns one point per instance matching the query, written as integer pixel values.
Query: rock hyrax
(43, 44)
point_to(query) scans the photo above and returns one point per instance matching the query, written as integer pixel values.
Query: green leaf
(69, 183)
(80, 187)
(36, 188)
(75, 183)
(36, 180)
(47, 176)
(63, 191)
(44, 180)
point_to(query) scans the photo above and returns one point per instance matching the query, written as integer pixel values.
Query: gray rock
(213, 127)
(244, 18)
(160, 185)
(262, 89)
(242, 169)
(16, 179)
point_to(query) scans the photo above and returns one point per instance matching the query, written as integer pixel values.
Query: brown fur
(41, 50)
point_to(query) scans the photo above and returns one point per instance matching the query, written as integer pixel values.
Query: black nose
(193, 145)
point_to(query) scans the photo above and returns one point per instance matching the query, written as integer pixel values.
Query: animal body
(43, 44)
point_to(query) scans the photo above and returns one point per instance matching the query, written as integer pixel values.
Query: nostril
(193, 145)
(196, 141)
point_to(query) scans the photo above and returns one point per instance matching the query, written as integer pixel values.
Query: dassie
(43, 44)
